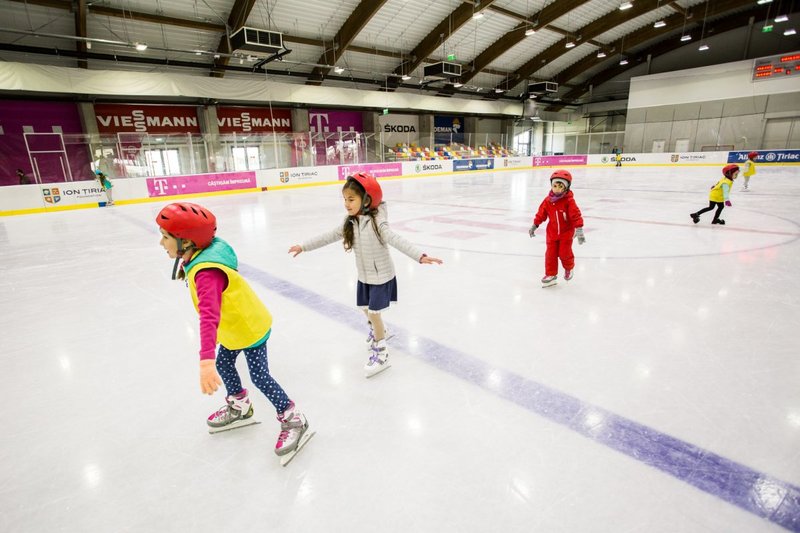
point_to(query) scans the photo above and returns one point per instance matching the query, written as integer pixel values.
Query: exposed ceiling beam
(359, 18)
(239, 13)
(80, 30)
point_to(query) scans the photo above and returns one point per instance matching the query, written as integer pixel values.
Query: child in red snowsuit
(565, 222)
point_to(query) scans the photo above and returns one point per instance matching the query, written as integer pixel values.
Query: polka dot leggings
(259, 374)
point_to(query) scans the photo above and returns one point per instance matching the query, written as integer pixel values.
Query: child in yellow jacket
(749, 169)
(719, 196)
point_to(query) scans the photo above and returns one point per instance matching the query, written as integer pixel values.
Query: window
(163, 162)
(246, 158)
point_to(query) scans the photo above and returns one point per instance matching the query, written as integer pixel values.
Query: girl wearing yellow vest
(232, 315)
(749, 169)
(719, 196)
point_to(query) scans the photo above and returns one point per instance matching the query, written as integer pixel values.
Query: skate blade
(385, 367)
(545, 285)
(286, 459)
(234, 425)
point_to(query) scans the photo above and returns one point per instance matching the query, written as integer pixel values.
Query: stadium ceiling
(501, 45)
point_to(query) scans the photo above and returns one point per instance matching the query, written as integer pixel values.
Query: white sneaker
(293, 425)
(549, 281)
(379, 359)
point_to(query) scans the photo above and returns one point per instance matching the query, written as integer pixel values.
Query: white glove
(532, 230)
(579, 235)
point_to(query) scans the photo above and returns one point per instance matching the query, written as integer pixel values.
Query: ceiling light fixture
(570, 44)
(659, 24)
(477, 15)
(601, 54)
(406, 77)
(623, 61)
(762, 2)
(781, 18)
(338, 70)
(686, 37)
(790, 31)
(625, 5)
(529, 32)
(457, 85)
(703, 47)
(141, 46)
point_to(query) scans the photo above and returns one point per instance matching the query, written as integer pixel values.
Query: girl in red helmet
(232, 315)
(366, 232)
(749, 170)
(565, 221)
(719, 196)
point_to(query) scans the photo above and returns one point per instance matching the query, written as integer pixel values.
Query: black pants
(719, 205)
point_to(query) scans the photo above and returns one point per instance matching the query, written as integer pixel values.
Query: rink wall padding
(40, 198)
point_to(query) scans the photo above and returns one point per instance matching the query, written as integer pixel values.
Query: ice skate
(568, 274)
(549, 281)
(370, 341)
(379, 360)
(293, 429)
(695, 217)
(236, 413)
(718, 221)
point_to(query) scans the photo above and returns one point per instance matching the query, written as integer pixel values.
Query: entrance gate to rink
(48, 156)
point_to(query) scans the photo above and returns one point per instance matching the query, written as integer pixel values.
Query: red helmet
(562, 175)
(188, 221)
(727, 170)
(752, 155)
(374, 194)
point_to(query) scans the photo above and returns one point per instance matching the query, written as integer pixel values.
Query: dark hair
(347, 229)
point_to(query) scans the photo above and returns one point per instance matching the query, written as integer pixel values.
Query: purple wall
(18, 116)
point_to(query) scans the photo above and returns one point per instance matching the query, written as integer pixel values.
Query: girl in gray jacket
(366, 232)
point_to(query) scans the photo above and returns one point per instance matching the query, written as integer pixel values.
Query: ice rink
(658, 391)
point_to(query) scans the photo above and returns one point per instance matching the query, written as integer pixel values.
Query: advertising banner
(767, 156)
(448, 130)
(222, 181)
(34, 137)
(161, 119)
(472, 164)
(296, 176)
(512, 162)
(336, 136)
(411, 168)
(330, 121)
(379, 170)
(73, 193)
(399, 129)
(253, 120)
(558, 160)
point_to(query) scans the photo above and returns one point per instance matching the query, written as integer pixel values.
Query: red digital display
(793, 57)
(763, 74)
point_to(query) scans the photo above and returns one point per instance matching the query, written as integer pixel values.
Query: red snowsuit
(564, 216)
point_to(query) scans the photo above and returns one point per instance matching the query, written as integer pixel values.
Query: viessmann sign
(253, 120)
(125, 118)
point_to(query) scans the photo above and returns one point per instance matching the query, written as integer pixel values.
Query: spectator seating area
(412, 152)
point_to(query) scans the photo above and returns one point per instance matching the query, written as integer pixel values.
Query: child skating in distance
(366, 232)
(719, 196)
(565, 221)
(749, 170)
(232, 315)
(106, 184)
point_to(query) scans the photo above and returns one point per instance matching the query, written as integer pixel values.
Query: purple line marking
(760, 494)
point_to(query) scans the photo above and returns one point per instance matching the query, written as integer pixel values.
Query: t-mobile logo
(160, 186)
(319, 123)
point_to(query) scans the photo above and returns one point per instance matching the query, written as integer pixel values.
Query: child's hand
(295, 250)
(209, 379)
(579, 235)
(427, 260)
(531, 232)
(728, 203)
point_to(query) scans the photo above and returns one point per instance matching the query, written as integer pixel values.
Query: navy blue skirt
(376, 298)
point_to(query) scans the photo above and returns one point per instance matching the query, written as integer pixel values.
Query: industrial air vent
(253, 40)
(543, 87)
(442, 70)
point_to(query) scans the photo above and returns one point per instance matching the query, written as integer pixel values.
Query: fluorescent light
(457, 85)
(625, 5)
(623, 62)
(762, 2)
(338, 70)
(529, 32)
(659, 24)
(476, 16)
(790, 31)
(570, 44)
(703, 47)
(601, 54)
(406, 77)
(141, 46)
(686, 37)
(498, 91)
(781, 18)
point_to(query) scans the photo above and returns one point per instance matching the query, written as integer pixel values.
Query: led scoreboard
(766, 68)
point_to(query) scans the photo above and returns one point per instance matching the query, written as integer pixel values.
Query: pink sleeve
(210, 283)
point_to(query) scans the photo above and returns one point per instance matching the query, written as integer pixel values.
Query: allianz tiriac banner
(447, 130)
(472, 164)
(35, 138)
(767, 156)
